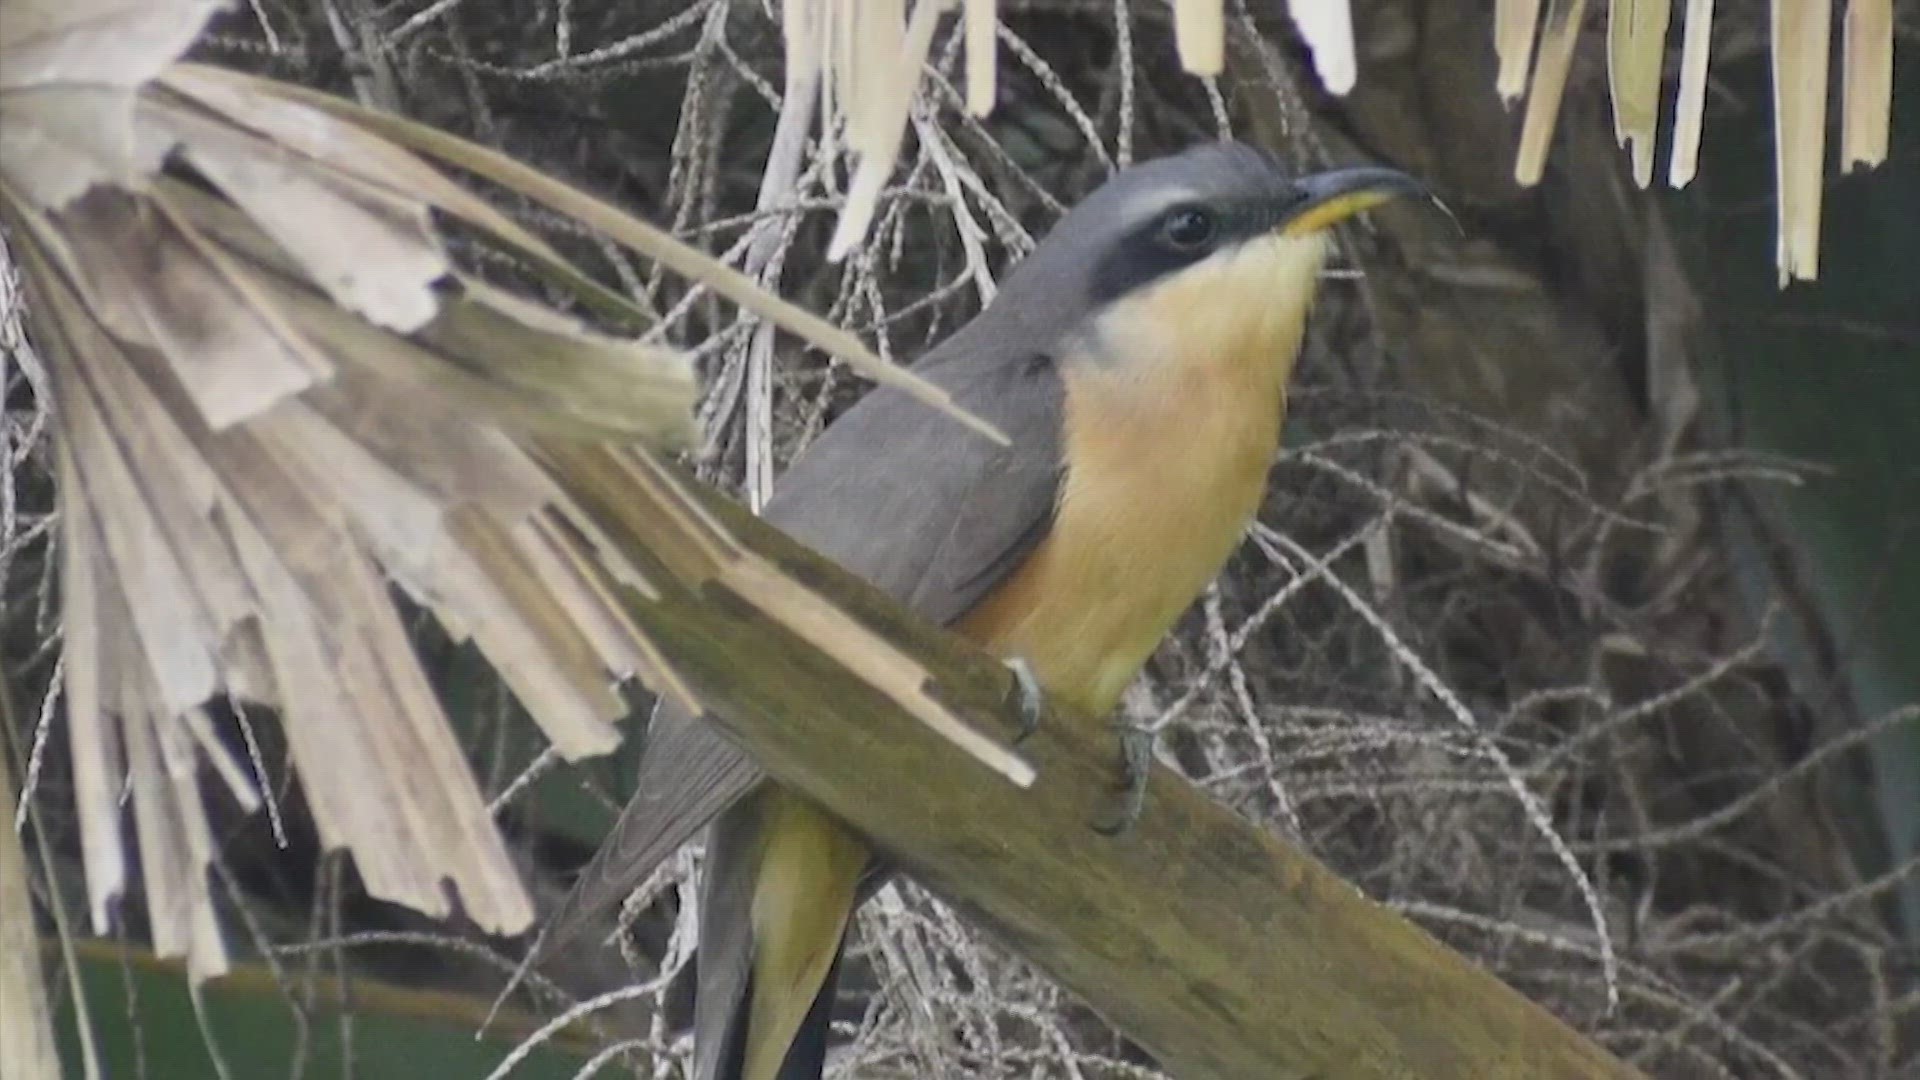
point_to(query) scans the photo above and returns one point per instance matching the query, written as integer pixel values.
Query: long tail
(780, 886)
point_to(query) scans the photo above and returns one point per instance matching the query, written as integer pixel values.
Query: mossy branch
(1216, 946)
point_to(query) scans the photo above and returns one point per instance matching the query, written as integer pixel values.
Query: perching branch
(1219, 948)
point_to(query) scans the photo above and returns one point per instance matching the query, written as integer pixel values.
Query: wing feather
(935, 523)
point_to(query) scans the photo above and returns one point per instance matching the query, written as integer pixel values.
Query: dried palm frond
(26, 1026)
(1866, 109)
(267, 402)
(1327, 28)
(1200, 34)
(1690, 104)
(1513, 26)
(1558, 35)
(275, 395)
(1801, 31)
(1636, 47)
(874, 51)
(1636, 54)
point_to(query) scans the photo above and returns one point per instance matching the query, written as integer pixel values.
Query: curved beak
(1328, 198)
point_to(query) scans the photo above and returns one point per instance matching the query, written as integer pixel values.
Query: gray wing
(905, 497)
(937, 514)
(688, 773)
(726, 941)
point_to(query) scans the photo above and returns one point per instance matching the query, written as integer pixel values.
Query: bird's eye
(1189, 229)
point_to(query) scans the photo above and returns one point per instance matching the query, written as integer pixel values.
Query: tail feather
(807, 1056)
(725, 960)
(689, 772)
(780, 886)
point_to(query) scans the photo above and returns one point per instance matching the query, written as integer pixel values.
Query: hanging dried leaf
(26, 1024)
(880, 74)
(1690, 104)
(982, 56)
(1867, 66)
(1327, 28)
(1200, 35)
(1636, 50)
(1514, 23)
(1557, 39)
(1801, 34)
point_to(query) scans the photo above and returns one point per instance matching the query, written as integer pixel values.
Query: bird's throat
(1169, 432)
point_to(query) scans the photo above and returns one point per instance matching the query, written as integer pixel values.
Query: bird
(1137, 361)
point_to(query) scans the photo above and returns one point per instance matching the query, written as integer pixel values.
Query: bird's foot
(1033, 699)
(1136, 764)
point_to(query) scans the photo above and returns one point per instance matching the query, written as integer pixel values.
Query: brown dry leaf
(490, 382)
(57, 142)
(144, 574)
(123, 728)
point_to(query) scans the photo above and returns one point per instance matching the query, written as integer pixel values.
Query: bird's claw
(1136, 764)
(1033, 699)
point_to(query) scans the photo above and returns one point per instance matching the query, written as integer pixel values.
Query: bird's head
(1218, 247)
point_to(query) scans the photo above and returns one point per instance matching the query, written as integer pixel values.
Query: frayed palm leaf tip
(274, 396)
(1637, 34)
(874, 55)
